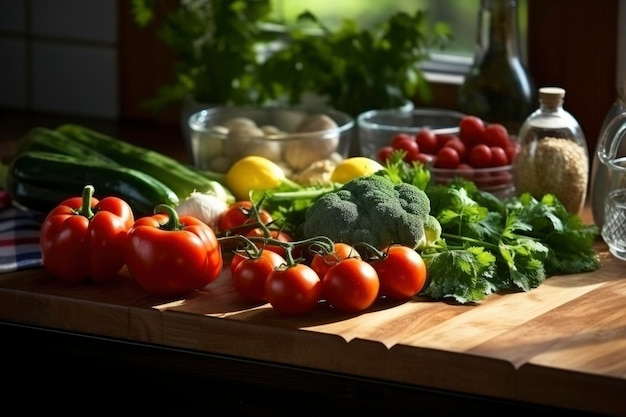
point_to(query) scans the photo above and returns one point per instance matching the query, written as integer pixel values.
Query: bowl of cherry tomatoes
(481, 152)
(376, 128)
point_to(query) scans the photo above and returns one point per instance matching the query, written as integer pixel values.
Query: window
(461, 15)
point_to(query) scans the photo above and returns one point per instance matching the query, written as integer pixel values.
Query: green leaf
(462, 275)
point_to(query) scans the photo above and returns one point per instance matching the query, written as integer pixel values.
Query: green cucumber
(180, 178)
(41, 180)
(48, 140)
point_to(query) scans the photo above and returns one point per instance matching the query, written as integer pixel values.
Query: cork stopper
(551, 96)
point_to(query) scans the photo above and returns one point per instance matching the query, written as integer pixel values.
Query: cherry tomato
(410, 147)
(427, 141)
(480, 156)
(384, 153)
(250, 274)
(465, 170)
(511, 151)
(321, 263)
(471, 130)
(402, 273)
(424, 158)
(239, 214)
(398, 139)
(447, 158)
(294, 289)
(458, 145)
(351, 285)
(275, 234)
(498, 156)
(443, 138)
(496, 135)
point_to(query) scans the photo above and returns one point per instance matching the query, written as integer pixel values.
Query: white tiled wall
(59, 56)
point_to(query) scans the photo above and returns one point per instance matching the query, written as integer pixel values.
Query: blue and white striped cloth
(19, 237)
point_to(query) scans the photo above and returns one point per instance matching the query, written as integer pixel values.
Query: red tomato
(496, 135)
(424, 158)
(398, 139)
(293, 290)
(351, 285)
(458, 145)
(465, 170)
(239, 213)
(320, 263)
(480, 156)
(410, 147)
(427, 141)
(275, 234)
(237, 258)
(498, 156)
(402, 273)
(471, 130)
(442, 139)
(511, 151)
(447, 158)
(384, 153)
(250, 274)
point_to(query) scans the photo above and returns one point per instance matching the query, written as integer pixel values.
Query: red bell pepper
(84, 238)
(170, 255)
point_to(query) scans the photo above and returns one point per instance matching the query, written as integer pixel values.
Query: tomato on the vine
(402, 272)
(294, 289)
(275, 234)
(250, 274)
(239, 213)
(351, 285)
(320, 263)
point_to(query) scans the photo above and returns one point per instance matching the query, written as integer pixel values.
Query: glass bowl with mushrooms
(307, 144)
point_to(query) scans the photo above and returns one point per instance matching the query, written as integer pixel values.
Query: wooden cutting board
(562, 344)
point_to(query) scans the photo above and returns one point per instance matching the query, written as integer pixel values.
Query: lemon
(351, 168)
(253, 173)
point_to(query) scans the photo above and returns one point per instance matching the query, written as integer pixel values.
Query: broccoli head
(374, 210)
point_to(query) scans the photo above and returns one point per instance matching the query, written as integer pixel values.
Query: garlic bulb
(203, 206)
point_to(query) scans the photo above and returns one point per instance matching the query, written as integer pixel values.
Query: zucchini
(180, 178)
(41, 180)
(48, 140)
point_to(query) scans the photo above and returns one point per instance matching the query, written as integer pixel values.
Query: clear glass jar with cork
(553, 156)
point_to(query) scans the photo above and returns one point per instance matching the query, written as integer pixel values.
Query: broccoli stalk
(376, 211)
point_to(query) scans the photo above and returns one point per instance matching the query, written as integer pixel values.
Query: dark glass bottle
(498, 87)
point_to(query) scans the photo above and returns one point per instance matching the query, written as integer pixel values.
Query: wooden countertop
(562, 344)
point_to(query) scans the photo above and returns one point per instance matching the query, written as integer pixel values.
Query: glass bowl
(499, 181)
(376, 128)
(292, 138)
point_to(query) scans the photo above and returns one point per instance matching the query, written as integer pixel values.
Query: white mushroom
(301, 153)
(239, 138)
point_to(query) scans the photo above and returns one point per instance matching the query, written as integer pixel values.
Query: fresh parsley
(489, 245)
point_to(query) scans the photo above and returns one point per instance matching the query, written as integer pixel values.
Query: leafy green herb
(358, 69)
(216, 45)
(230, 52)
(529, 240)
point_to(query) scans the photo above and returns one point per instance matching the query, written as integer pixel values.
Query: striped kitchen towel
(19, 237)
